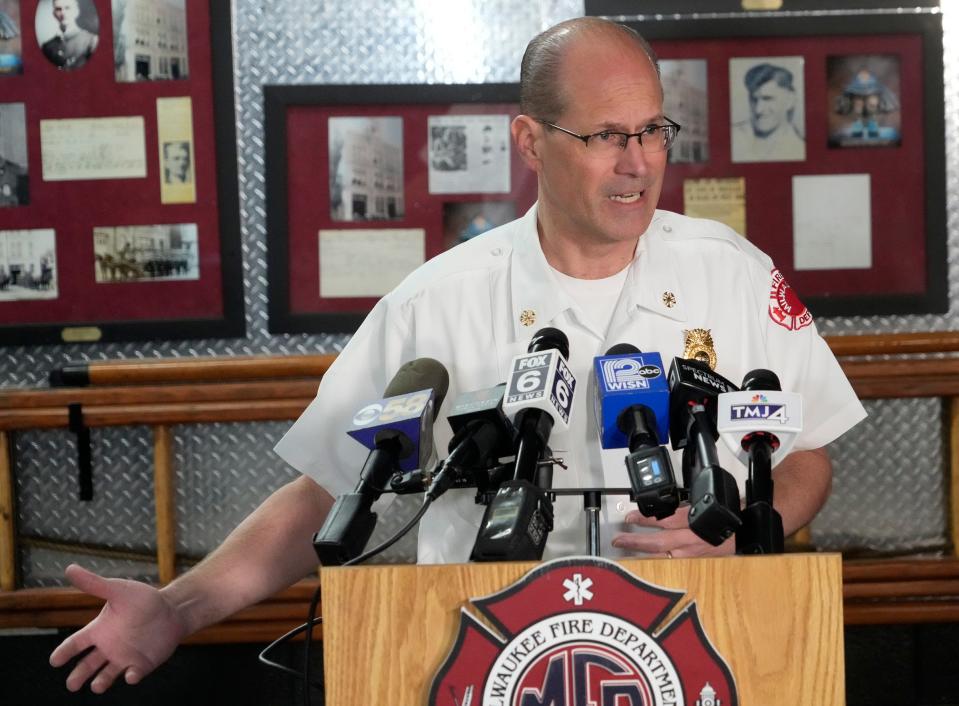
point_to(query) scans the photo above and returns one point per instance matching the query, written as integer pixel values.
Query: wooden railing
(166, 392)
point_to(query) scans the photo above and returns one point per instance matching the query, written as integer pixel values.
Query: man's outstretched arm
(140, 626)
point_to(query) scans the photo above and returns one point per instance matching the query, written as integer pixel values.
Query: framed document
(365, 183)
(124, 221)
(821, 139)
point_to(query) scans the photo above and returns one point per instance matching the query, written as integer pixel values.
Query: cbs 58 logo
(393, 408)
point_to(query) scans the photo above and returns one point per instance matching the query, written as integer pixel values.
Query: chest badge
(699, 346)
(527, 317)
(669, 299)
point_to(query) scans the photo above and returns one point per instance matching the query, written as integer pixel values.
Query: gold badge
(527, 317)
(699, 346)
(669, 299)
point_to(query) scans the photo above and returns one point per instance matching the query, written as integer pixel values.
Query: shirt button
(620, 506)
(667, 229)
(497, 251)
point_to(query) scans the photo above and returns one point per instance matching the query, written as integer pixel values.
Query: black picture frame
(925, 24)
(231, 323)
(278, 100)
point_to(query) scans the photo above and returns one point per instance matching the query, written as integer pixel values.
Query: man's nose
(633, 158)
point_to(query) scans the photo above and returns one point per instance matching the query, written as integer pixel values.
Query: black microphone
(395, 429)
(762, 530)
(540, 390)
(481, 436)
(713, 493)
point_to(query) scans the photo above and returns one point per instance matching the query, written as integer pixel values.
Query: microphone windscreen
(623, 349)
(761, 379)
(420, 374)
(547, 339)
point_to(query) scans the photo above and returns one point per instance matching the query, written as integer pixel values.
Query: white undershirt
(595, 298)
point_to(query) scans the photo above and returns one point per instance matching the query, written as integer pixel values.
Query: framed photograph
(366, 183)
(118, 187)
(822, 141)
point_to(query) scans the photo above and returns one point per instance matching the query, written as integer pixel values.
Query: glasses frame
(638, 135)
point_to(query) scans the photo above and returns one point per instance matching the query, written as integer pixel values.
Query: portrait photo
(469, 154)
(14, 180)
(11, 47)
(863, 93)
(177, 163)
(146, 253)
(687, 102)
(68, 32)
(767, 109)
(366, 169)
(28, 264)
(464, 220)
(150, 40)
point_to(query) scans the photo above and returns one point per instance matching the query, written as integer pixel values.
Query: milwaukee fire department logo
(582, 632)
(785, 308)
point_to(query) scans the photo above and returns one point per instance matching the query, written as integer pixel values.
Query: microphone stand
(762, 528)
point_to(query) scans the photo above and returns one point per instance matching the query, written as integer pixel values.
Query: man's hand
(674, 539)
(135, 632)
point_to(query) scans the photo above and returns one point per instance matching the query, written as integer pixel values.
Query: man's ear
(526, 136)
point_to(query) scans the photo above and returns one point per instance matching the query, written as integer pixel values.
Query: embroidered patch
(785, 308)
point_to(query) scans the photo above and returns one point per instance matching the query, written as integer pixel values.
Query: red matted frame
(298, 199)
(211, 306)
(909, 269)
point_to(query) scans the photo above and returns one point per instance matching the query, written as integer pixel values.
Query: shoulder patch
(785, 308)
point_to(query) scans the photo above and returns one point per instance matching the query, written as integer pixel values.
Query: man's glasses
(608, 143)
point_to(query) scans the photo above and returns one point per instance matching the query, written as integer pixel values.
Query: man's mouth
(631, 197)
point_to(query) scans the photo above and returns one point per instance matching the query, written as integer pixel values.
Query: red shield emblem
(582, 632)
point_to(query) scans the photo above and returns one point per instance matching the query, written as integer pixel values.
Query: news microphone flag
(626, 380)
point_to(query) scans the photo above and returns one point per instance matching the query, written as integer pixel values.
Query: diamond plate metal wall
(224, 471)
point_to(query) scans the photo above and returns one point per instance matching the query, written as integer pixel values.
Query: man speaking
(593, 258)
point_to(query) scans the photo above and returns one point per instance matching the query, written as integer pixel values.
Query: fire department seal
(785, 308)
(582, 632)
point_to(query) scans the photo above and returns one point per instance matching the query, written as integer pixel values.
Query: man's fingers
(104, 680)
(89, 582)
(85, 668)
(69, 648)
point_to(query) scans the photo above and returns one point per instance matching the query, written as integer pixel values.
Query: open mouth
(627, 198)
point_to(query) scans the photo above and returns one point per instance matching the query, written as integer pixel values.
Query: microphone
(632, 411)
(760, 425)
(481, 435)
(713, 493)
(398, 430)
(539, 394)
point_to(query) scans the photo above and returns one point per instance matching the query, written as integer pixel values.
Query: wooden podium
(776, 621)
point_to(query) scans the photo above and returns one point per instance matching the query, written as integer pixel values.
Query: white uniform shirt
(464, 309)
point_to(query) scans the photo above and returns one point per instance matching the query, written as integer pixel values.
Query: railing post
(8, 562)
(163, 484)
(954, 474)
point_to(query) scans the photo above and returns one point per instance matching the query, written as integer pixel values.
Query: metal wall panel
(223, 471)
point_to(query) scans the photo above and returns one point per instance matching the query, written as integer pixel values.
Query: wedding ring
(669, 554)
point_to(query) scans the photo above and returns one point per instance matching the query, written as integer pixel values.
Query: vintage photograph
(366, 169)
(767, 109)
(863, 95)
(28, 264)
(464, 220)
(469, 154)
(11, 46)
(68, 31)
(14, 181)
(687, 102)
(177, 164)
(146, 253)
(150, 40)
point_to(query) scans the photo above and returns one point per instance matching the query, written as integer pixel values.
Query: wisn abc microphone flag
(625, 380)
(544, 381)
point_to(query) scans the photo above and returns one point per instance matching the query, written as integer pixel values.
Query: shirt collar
(538, 296)
(653, 282)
